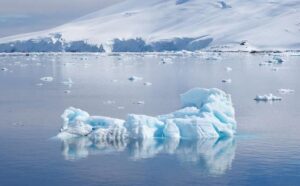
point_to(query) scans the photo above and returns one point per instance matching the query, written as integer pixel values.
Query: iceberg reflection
(214, 156)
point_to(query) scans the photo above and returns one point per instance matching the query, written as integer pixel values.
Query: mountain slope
(172, 25)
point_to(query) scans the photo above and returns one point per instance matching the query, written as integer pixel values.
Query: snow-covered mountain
(172, 25)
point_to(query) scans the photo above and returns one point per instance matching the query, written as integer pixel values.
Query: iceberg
(205, 113)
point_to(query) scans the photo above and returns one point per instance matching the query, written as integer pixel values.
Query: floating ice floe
(286, 91)
(120, 107)
(69, 82)
(67, 91)
(4, 69)
(135, 78)
(47, 79)
(276, 60)
(226, 81)
(228, 69)
(166, 61)
(205, 113)
(139, 103)
(109, 102)
(147, 84)
(114, 80)
(267, 97)
(213, 58)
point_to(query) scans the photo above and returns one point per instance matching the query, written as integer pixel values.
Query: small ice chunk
(228, 69)
(47, 79)
(4, 69)
(139, 103)
(267, 97)
(39, 84)
(286, 91)
(213, 58)
(166, 61)
(121, 107)
(69, 82)
(109, 102)
(18, 124)
(114, 80)
(67, 91)
(83, 58)
(278, 60)
(275, 60)
(147, 83)
(264, 64)
(135, 78)
(226, 81)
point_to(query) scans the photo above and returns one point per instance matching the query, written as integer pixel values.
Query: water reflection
(214, 156)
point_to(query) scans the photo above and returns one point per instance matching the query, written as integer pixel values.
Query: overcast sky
(20, 16)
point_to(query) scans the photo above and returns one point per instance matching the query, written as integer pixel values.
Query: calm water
(265, 151)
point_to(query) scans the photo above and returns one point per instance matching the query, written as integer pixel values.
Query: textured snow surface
(172, 25)
(205, 113)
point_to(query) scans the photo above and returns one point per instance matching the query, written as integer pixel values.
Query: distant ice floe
(4, 69)
(67, 91)
(224, 5)
(226, 81)
(267, 97)
(213, 58)
(147, 83)
(166, 61)
(69, 82)
(47, 79)
(276, 60)
(228, 69)
(135, 78)
(285, 91)
(206, 113)
(139, 102)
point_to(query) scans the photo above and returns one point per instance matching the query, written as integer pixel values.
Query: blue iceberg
(205, 113)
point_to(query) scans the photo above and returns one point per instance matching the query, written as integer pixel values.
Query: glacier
(205, 114)
(172, 25)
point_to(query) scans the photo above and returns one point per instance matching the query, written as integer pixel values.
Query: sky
(22, 16)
